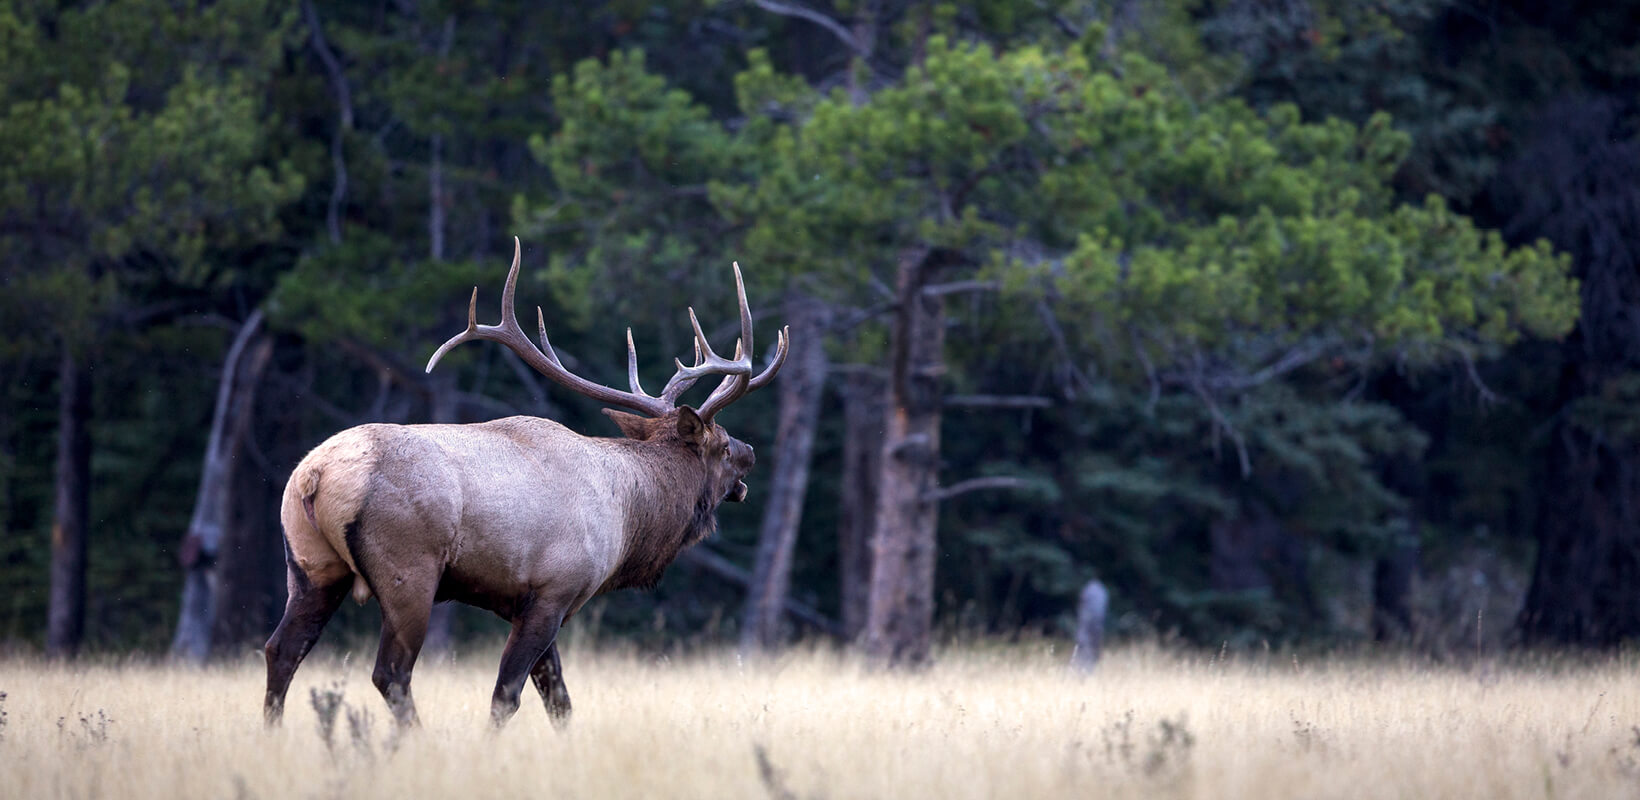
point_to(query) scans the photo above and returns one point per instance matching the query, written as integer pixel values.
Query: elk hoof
(560, 717)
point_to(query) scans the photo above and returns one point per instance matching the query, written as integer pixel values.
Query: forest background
(1293, 323)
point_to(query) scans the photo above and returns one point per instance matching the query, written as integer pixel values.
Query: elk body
(520, 516)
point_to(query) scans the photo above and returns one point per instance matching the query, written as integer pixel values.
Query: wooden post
(1090, 626)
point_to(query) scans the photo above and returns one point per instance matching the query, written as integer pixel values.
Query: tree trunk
(65, 621)
(201, 581)
(250, 564)
(900, 615)
(1588, 569)
(1587, 201)
(1392, 576)
(801, 382)
(864, 427)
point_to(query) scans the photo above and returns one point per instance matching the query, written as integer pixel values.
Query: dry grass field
(987, 722)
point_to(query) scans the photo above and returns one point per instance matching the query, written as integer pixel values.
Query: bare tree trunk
(344, 122)
(864, 427)
(900, 617)
(201, 582)
(800, 386)
(435, 198)
(436, 215)
(65, 621)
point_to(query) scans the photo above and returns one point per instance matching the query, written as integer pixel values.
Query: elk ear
(634, 426)
(690, 427)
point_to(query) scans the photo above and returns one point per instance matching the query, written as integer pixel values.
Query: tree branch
(1294, 358)
(400, 372)
(344, 103)
(1486, 393)
(1220, 421)
(956, 287)
(1057, 334)
(998, 401)
(1150, 372)
(980, 484)
(832, 26)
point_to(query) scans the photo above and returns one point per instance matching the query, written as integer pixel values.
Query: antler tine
(632, 365)
(735, 387)
(745, 315)
(541, 330)
(470, 333)
(682, 380)
(782, 341)
(707, 361)
(509, 319)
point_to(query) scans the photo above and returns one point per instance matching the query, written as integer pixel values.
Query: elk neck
(671, 507)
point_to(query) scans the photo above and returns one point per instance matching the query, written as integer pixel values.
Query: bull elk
(520, 516)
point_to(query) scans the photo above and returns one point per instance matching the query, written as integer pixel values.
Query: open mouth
(737, 494)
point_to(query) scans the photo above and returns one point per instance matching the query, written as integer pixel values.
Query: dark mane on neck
(665, 524)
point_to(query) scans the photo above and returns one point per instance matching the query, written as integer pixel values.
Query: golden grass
(983, 723)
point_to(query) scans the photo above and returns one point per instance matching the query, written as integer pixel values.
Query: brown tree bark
(801, 382)
(900, 615)
(1576, 181)
(251, 559)
(201, 545)
(865, 424)
(65, 620)
(1392, 577)
(1587, 577)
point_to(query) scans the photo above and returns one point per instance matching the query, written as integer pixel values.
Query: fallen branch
(716, 565)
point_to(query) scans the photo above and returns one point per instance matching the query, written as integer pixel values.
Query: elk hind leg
(405, 611)
(548, 675)
(533, 633)
(307, 608)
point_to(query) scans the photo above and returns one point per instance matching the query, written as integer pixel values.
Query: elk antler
(736, 385)
(737, 371)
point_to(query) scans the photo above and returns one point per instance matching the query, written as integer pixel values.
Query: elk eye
(726, 451)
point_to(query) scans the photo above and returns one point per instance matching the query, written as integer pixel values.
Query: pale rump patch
(325, 493)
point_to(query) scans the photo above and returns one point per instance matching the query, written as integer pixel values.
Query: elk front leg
(533, 634)
(307, 609)
(548, 675)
